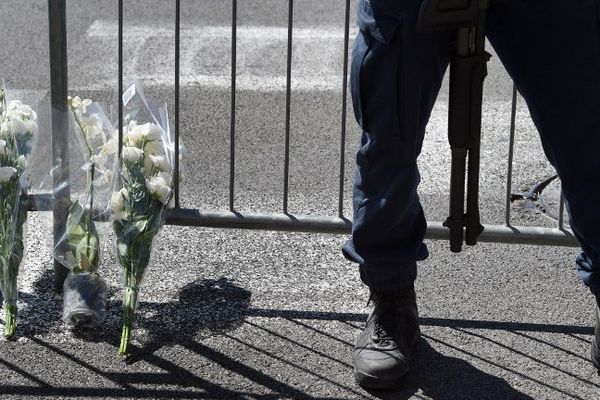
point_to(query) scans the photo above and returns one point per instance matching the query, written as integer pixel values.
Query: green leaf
(82, 238)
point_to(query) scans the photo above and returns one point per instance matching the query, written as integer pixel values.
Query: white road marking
(529, 160)
(317, 65)
(317, 56)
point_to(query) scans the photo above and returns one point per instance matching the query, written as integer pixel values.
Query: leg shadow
(444, 378)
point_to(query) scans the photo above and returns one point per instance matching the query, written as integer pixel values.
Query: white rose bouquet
(18, 128)
(80, 249)
(141, 199)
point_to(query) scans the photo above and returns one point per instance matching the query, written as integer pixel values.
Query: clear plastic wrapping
(142, 195)
(84, 297)
(89, 180)
(18, 132)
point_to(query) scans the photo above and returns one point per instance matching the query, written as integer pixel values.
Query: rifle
(468, 69)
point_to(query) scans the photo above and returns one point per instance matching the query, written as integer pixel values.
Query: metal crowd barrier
(284, 221)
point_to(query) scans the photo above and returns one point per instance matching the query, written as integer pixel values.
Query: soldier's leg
(396, 74)
(551, 49)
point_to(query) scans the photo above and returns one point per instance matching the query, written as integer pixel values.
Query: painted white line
(317, 56)
(103, 28)
(243, 83)
(529, 165)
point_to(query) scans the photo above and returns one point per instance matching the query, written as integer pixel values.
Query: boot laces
(383, 318)
(381, 335)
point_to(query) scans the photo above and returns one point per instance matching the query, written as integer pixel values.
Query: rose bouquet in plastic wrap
(142, 195)
(18, 129)
(79, 249)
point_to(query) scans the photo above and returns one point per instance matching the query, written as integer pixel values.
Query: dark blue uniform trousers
(551, 49)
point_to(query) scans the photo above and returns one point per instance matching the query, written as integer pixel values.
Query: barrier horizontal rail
(280, 221)
(336, 225)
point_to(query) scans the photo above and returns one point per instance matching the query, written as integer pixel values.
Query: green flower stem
(10, 311)
(90, 183)
(129, 303)
(89, 149)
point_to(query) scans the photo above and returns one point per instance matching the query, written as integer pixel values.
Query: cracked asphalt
(233, 314)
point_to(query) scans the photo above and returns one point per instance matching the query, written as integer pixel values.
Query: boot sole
(372, 382)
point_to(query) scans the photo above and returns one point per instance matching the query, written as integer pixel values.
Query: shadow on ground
(203, 306)
(206, 308)
(439, 377)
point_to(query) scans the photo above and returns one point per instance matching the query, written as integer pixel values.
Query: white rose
(110, 147)
(6, 174)
(86, 102)
(117, 204)
(92, 126)
(80, 105)
(160, 186)
(135, 135)
(74, 101)
(147, 132)
(132, 154)
(16, 109)
(160, 163)
(27, 112)
(151, 131)
(32, 126)
(15, 126)
(155, 147)
(21, 160)
(14, 106)
(2, 147)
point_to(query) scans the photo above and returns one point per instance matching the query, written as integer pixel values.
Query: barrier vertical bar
(177, 74)
(344, 102)
(511, 148)
(233, 94)
(120, 77)
(57, 23)
(561, 212)
(288, 95)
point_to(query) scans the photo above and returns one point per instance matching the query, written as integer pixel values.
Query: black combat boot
(596, 340)
(385, 347)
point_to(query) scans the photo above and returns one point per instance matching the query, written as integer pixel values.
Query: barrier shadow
(441, 377)
(208, 307)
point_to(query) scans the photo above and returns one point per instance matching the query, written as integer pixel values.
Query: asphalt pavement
(228, 314)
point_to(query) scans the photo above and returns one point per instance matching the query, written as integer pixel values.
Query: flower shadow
(204, 307)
